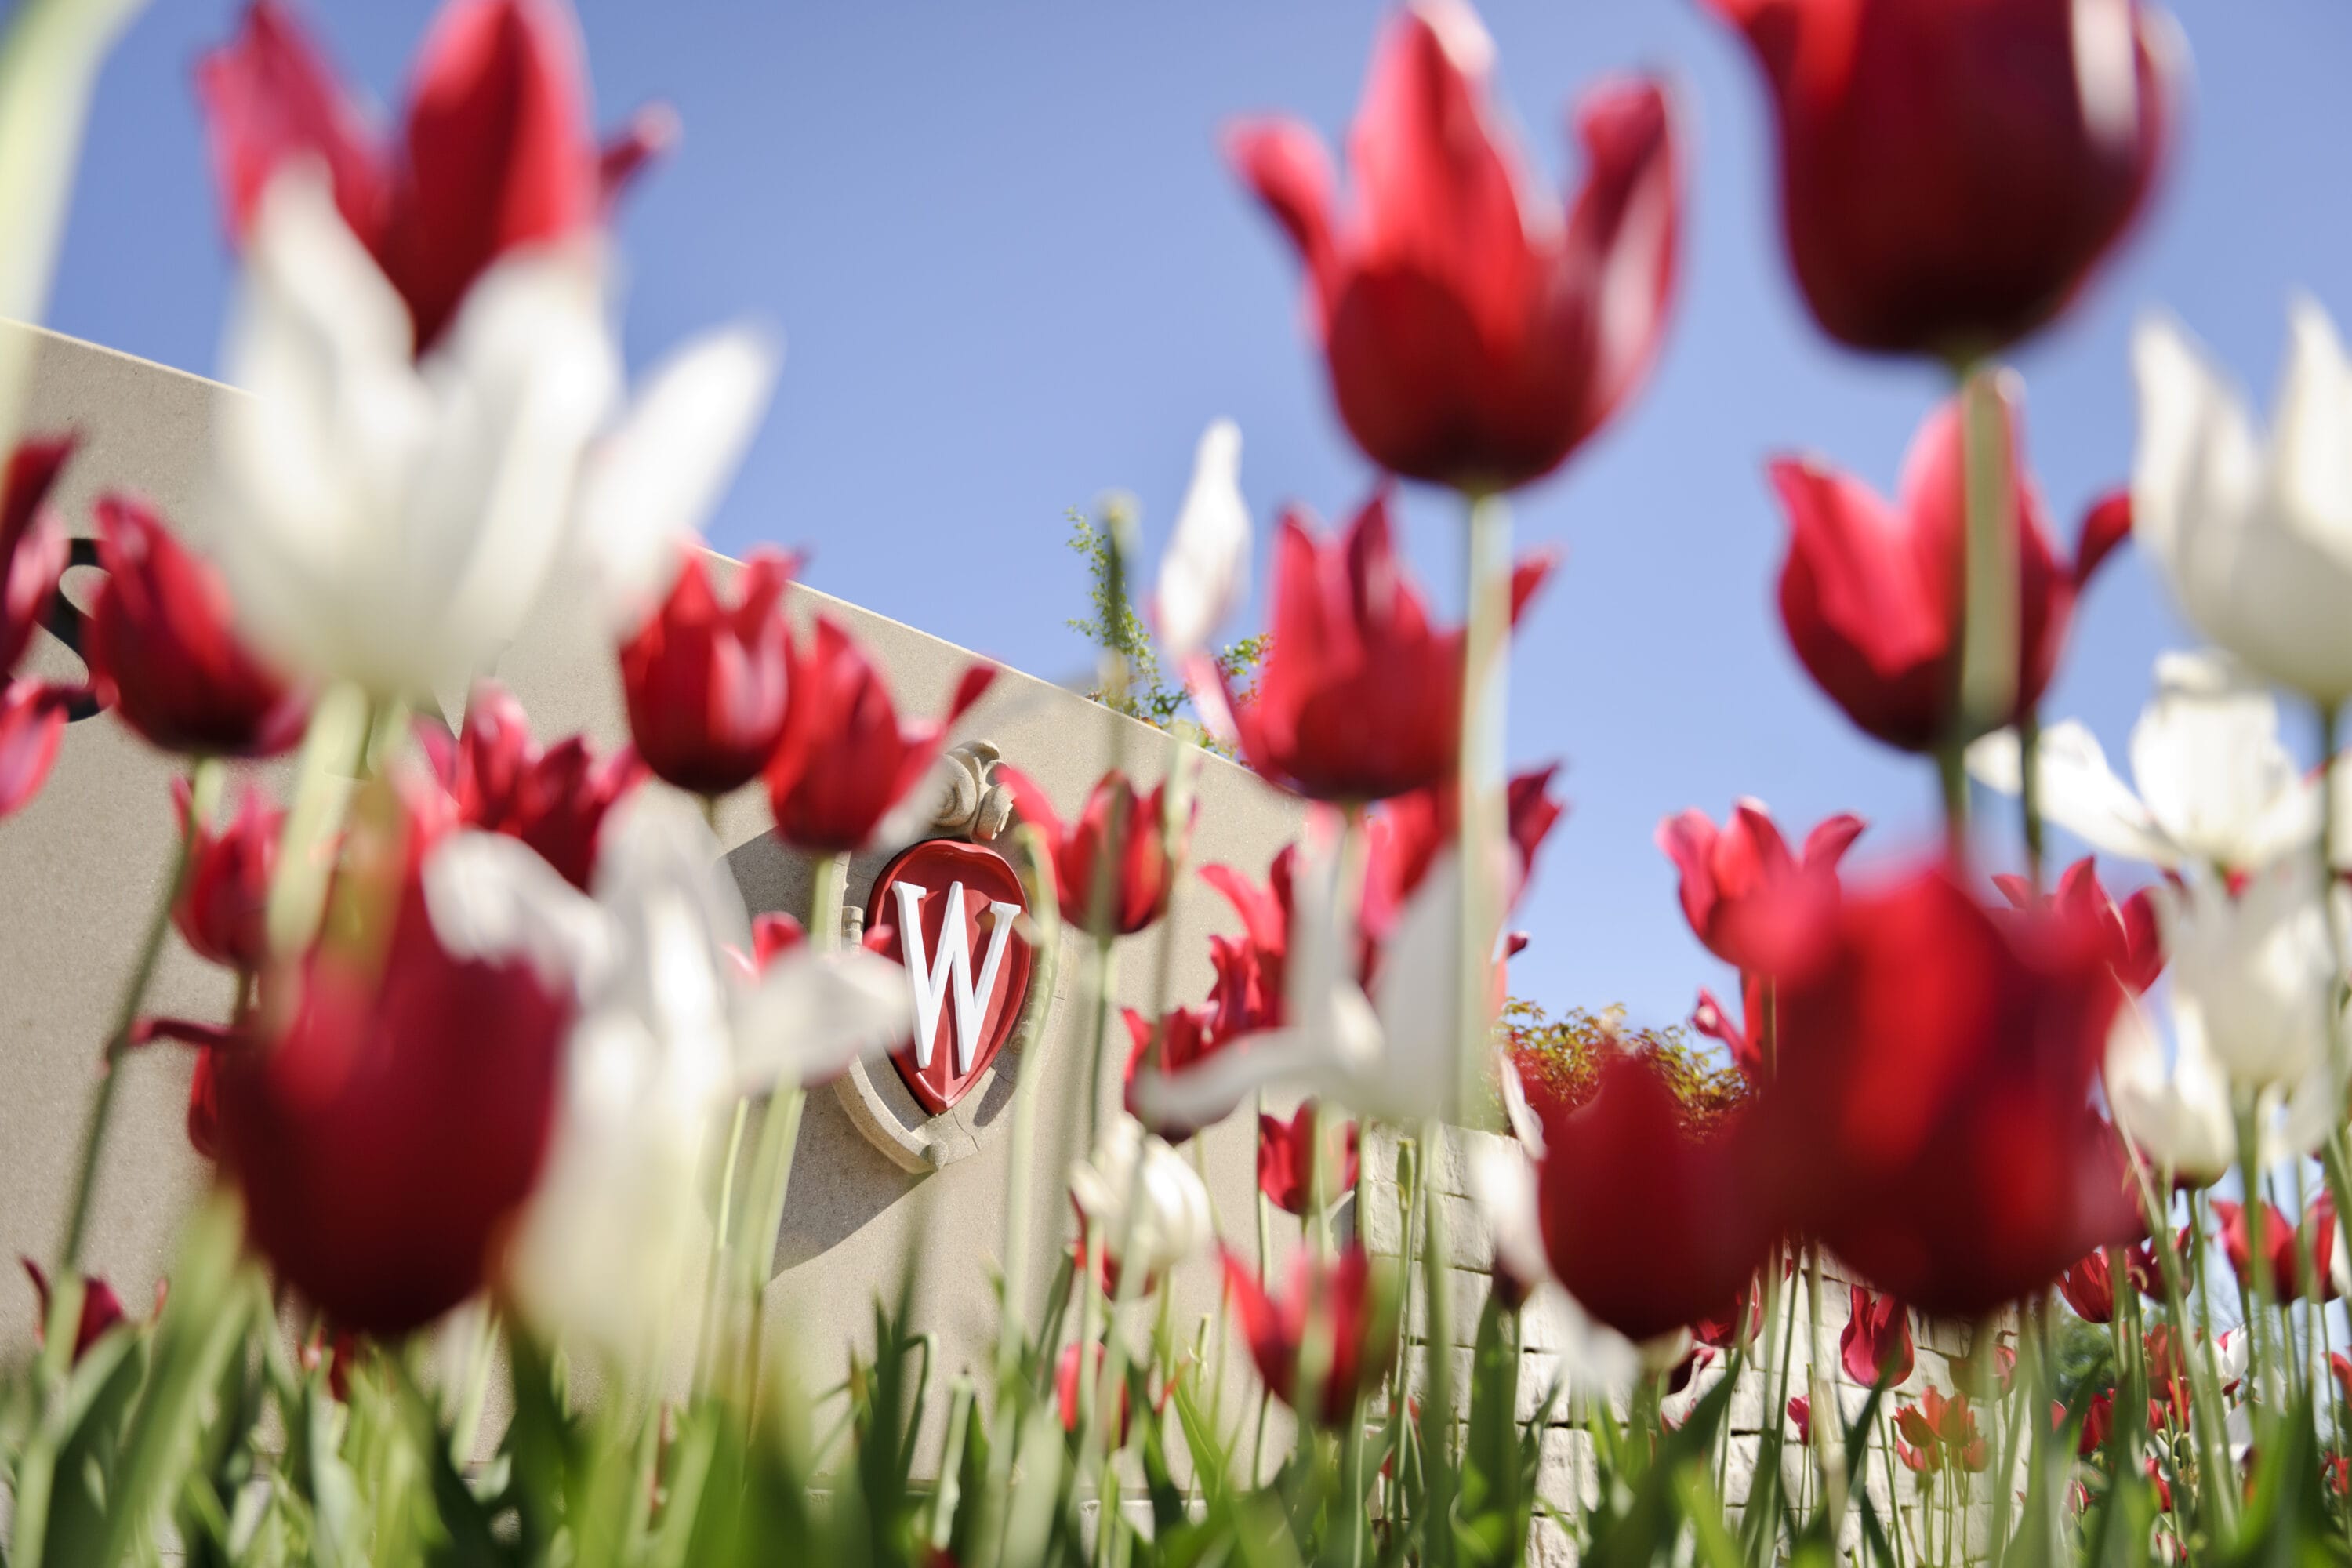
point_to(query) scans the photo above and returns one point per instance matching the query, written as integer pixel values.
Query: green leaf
(1491, 1508)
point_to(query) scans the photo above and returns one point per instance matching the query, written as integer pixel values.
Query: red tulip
(1942, 1434)
(1649, 1224)
(774, 934)
(2340, 1366)
(101, 1308)
(846, 758)
(2098, 1423)
(1800, 1415)
(33, 543)
(1361, 697)
(1951, 173)
(2281, 1245)
(163, 651)
(1871, 594)
(705, 678)
(33, 713)
(2089, 1288)
(1474, 337)
(1342, 1302)
(1065, 1391)
(1412, 830)
(1252, 972)
(390, 1119)
(2167, 1351)
(1930, 1115)
(222, 913)
(1286, 1161)
(2001, 1376)
(1876, 1347)
(1185, 1037)
(1737, 1323)
(555, 799)
(1744, 1039)
(495, 153)
(1141, 858)
(209, 1041)
(2163, 1488)
(2135, 941)
(1750, 902)
(32, 726)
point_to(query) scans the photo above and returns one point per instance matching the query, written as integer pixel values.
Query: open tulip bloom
(1475, 334)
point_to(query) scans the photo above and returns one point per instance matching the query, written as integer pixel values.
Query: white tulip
(2178, 1114)
(1169, 1221)
(613, 1243)
(2253, 975)
(386, 521)
(2256, 545)
(1205, 575)
(652, 483)
(2216, 786)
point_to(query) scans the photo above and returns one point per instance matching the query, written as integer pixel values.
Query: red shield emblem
(951, 907)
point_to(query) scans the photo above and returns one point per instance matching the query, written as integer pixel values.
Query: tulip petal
(271, 98)
(816, 1013)
(32, 727)
(1204, 574)
(658, 477)
(2079, 791)
(493, 899)
(2196, 472)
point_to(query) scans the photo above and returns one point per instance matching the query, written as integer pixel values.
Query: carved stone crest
(959, 923)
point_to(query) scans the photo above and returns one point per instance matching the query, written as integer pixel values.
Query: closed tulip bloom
(2254, 542)
(2216, 788)
(1800, 1417)
(1951, 173)
(101, 1308)
(2089, 1288)
(1184, 1037)
(1130, 830)
(1876, 1347)
(2250, 973)
(2176, 1110)
(705, 678)
(1475, 334)
(555, 799)
(846, 757)
(390, 1119)
(223, 904)
(1067, 1376)
(2281, 1248)
(1170, 1221)
(1752, 903)
(494, 153)
(1286, 1161)
(1204, 574)
(1361, 697)
(1931, 1112)
(1649, 1223)
(1346, 1306)
(163, 649)
(1872, 595)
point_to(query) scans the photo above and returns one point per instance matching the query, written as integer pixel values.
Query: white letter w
(933, 976)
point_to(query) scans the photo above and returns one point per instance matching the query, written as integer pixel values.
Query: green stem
(1988, 663)
(2028, 793)
(1437, 1414)
(204, 788)
(1952, 783)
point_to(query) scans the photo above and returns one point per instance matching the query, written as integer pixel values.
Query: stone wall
(1567, 1473)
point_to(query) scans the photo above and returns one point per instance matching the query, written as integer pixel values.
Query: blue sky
(1011, 272)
